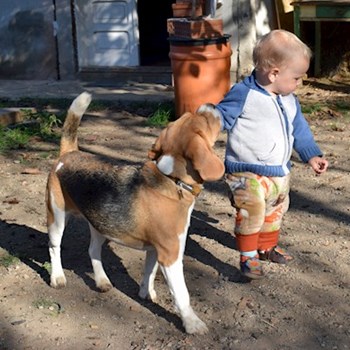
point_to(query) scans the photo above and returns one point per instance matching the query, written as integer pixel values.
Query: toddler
(264, 124)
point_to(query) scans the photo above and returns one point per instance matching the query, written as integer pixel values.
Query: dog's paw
(194, 325)
(104, 286)
(58, 282)
(145, 294)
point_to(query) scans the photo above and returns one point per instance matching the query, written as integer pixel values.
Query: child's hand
(318, 164)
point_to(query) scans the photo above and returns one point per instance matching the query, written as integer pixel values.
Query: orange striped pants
(260, 204)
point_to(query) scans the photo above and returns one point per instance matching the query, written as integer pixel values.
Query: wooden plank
(308, 11)
(321, 2)
(333, 11)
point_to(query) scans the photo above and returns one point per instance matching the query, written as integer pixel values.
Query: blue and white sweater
(263, 130)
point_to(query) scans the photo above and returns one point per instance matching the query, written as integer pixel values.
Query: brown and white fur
(145, 208)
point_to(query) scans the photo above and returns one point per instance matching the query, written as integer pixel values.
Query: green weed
(13, 139)
(9, 260)
(40, 124)
(160, 117)
(309, 109)
(343, 107)
(327, 109)
(53, 308)
(43, 123)
(47, 266)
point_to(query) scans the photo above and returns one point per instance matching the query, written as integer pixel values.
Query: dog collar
(193, 189)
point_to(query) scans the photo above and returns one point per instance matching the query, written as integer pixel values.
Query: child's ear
(274, 74)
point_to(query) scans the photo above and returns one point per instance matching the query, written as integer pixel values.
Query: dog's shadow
(31, 247)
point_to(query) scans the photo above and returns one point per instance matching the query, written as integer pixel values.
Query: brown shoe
(276, 254)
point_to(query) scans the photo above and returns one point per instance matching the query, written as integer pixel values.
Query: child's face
(286, 79)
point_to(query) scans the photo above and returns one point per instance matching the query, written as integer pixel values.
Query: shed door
(107, 33)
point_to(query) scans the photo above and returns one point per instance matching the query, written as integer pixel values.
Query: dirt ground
(304, 305)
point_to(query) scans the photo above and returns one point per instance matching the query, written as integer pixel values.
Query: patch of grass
(12, 139)
(327, 109)
(309, 109)
(343, 107)
(9, 260)
(43, 123)
(42, 303)
(47, 266)
(40, 124)
(160, 117)
(52, 307)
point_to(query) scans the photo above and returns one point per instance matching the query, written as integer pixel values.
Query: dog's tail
(69, 138)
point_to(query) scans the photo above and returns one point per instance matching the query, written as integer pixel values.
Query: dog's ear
(204, 160)
(156, 151)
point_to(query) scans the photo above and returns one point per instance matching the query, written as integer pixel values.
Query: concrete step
(122, 75)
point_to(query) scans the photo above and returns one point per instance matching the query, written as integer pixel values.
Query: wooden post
(317, 48)
(297, 20)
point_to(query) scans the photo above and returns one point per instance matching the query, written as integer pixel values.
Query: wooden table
(319, 11)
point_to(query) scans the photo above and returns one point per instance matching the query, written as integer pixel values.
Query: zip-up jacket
(263, 130)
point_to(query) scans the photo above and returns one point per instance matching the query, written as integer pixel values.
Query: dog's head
(184, 149)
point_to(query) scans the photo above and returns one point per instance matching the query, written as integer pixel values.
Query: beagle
(146, 208)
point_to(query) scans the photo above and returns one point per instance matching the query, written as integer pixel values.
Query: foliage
(47, 266)
(12, 139)
(42, 123)
(311, 108)
(51, 308)
(8, 260)
(36, 124)
(160, 117)
(335, 110)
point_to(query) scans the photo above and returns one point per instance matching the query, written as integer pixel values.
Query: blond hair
(278, 48)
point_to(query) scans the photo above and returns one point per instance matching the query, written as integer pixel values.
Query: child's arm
(304, 142)
(231, 106)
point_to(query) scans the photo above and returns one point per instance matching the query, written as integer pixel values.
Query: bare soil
(304, 305)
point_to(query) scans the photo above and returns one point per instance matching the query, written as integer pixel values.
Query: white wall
(27, 45)
(245, 21)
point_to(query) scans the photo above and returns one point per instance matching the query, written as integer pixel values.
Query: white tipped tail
(69, 139)
(80, 104)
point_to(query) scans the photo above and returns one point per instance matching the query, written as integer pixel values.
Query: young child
(264, 124)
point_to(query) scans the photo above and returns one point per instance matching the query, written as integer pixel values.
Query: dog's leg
(176, 281)
(57, 279)
(147, 284)
(102, 281)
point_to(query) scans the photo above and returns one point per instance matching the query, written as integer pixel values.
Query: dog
(146, 208)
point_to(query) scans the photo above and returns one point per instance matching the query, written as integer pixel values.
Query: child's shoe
(251, 267)
(275, 254)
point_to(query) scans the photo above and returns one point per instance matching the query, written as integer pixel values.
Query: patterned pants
(260, 204)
